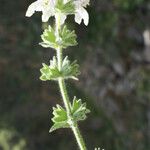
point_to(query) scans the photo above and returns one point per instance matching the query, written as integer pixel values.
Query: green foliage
(60, 119)
(68, 70)
(50, 72)
(49, 38)
(79, 109)
(67, 8)
(67, 38)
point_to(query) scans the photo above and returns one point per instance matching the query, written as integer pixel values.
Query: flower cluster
(52, 7)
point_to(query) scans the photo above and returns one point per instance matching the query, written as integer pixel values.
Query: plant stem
(65, 97)
(64, 93)
(79, 137)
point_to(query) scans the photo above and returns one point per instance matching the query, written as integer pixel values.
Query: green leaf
(59, 113)
(49, 38)
(79, 110)
(68, 38)
(68, 70)
(65, 8)
(59, 119)
(50, 72)
(58, 126)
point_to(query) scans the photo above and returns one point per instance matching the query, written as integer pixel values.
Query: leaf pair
(78, 112)
(68, 70)
(66, 38)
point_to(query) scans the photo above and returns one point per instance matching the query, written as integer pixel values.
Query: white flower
(48, 9)
(46, 6)
(80, 11)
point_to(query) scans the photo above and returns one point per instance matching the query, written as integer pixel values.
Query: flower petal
(82, 14)
(46, 15)
(85, 16)
(78, 18)
(84, 3)
(35, 6)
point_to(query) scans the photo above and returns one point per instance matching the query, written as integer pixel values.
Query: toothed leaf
(59, 119)
(58, 126)
(68, 70)
(68, 38)
(50, 72)
(49, 38)
(79, 110)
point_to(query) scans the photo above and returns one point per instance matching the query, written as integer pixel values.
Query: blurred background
(114, 57)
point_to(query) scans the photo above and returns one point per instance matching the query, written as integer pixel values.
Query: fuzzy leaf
(59, 119)
(68, 38)
(59, 113)
(58, 126)
(49, 38)
(79, 110)
(50, 72)
(69, 70)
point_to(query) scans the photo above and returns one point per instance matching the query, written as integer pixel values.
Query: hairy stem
(64, 93)
(78, 136)
(65, 97)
